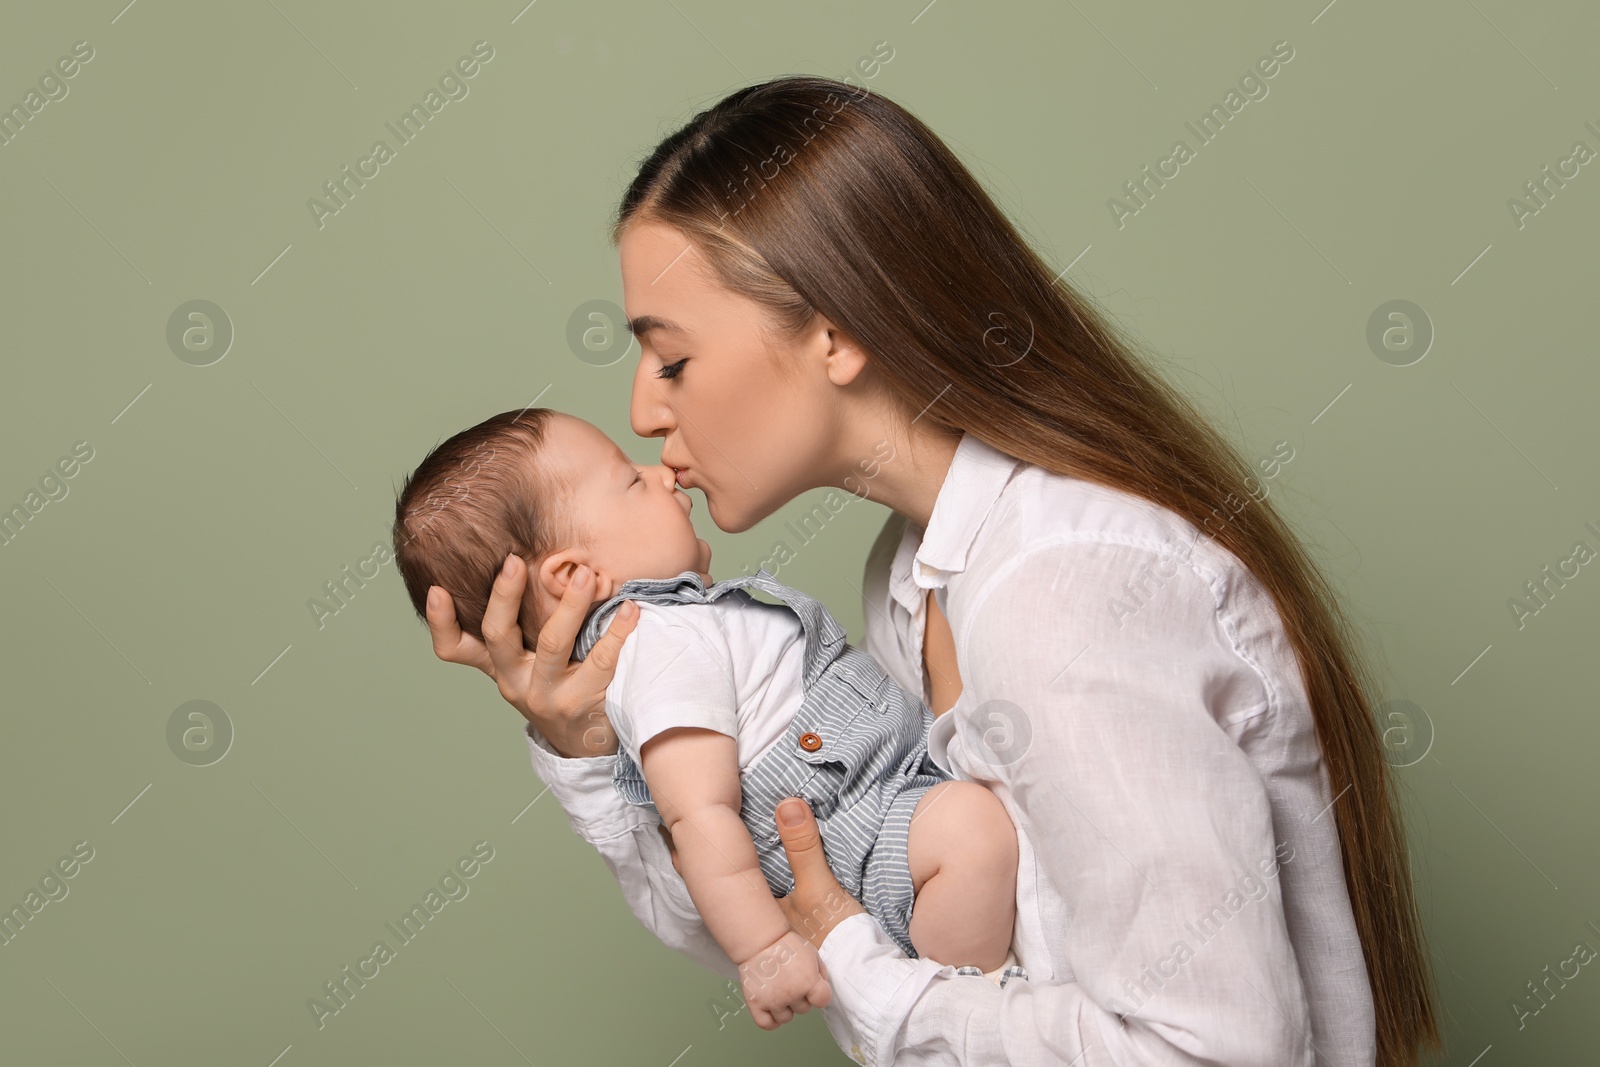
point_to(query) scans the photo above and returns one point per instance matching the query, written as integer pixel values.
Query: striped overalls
(857, 751)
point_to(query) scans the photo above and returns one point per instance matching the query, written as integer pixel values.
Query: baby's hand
(783, 980)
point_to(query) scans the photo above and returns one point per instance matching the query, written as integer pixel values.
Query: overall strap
(825, 638)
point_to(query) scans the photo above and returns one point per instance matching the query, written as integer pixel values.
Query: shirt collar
(977, 473)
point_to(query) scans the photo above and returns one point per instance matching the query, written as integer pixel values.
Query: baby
(722, 704)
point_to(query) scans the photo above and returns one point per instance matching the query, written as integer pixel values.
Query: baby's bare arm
(693, 775)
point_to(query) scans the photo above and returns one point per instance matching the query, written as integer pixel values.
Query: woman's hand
(818, 902)
(564, 701)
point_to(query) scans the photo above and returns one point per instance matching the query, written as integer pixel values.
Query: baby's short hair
(476, 498)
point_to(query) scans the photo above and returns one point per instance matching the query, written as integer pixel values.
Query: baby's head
(556, 491)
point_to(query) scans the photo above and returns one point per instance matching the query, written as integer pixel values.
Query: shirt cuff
(874, 985)
(582, 785)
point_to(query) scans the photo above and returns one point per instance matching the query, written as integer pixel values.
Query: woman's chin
(737, 522)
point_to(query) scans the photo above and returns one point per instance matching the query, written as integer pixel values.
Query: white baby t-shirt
(734, 665)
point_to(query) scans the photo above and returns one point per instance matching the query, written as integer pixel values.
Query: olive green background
(221, 498)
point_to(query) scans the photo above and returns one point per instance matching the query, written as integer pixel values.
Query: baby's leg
(962, 849)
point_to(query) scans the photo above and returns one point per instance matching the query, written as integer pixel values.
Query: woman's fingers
(601, 663)
(802, 842)
(500, 630)
(554, 647)
(818, 902)
(449, 643)
(594, 674)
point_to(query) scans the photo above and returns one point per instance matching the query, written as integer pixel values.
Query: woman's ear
(845, 358)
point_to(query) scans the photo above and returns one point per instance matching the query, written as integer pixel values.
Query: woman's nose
(648, 411)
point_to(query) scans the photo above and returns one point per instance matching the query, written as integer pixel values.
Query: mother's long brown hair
(808, 195)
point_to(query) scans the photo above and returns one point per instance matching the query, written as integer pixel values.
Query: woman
(1122, 641)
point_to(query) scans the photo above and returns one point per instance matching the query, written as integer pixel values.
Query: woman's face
(751, 438)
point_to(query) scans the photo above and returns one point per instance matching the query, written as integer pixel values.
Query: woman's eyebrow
(643, 324)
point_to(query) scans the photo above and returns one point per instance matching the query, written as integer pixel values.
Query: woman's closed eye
(671, 370)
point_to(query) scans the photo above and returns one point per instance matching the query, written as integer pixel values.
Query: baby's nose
(666, 475)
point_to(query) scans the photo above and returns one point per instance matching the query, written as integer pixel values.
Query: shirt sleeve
(1142, 810)
(582, 786)
(676, 669)
(627, 838)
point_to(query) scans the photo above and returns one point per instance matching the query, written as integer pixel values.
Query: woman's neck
(900, 465)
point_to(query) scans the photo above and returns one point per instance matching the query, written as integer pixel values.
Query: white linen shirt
(1131, 697)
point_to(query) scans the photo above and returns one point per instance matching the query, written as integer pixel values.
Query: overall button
(810, 741)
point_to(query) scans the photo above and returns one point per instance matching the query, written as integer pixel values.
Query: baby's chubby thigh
(963, 854)
(959, 825)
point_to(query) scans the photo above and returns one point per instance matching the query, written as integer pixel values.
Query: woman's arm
(1143, 813)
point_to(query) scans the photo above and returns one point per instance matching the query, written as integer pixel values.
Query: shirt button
(810, 741)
